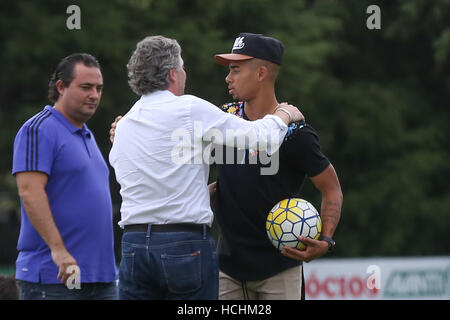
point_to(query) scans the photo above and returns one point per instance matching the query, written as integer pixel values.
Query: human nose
(95, 93)
(228, 78)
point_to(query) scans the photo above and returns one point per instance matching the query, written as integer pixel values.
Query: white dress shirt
(158, 153)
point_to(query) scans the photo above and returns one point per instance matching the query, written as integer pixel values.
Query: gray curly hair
(150, 63)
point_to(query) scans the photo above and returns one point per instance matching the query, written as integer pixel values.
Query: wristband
(286, 111)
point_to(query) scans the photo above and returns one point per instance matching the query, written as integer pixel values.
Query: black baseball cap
(250, 45)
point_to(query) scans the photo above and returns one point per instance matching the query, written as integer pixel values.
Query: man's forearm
(39, 213)
(331, 212)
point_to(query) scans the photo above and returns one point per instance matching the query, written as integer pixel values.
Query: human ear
(172, 77)
(262, 73)
(60, 86)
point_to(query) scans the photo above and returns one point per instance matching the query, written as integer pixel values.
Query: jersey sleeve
(33, 148)
(305, 151)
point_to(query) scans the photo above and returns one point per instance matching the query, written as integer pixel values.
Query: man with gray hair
(167, 251)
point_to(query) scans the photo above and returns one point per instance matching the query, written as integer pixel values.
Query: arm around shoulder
(213, 124)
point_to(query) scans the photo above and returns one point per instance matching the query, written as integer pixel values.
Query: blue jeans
(168, 265)
(88, 291)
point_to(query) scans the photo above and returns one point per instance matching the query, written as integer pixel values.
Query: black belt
(174, 227)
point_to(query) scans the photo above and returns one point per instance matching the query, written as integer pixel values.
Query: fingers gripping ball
(291, 218)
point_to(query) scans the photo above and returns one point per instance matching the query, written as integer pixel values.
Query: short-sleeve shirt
(79, 197)
(244, 198)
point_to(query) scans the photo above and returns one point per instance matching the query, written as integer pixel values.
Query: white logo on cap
(239, 43)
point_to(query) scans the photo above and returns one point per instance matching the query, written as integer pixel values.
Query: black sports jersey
(244, 197)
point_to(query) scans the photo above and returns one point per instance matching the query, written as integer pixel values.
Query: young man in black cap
(251, 268)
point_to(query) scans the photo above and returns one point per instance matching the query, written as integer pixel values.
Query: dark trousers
(88, 291)
(168, 265)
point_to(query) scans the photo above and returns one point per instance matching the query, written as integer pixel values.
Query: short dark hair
(65, 72)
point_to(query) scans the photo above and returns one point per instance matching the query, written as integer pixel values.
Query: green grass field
(7, 270)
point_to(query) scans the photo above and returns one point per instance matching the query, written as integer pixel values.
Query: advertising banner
(378, 278)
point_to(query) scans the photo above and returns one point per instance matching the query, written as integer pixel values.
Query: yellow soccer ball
(291, 218)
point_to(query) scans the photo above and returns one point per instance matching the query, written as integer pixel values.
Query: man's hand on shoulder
(112, 131)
